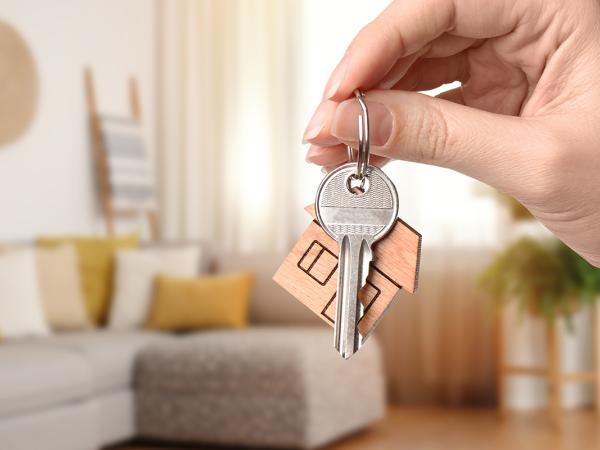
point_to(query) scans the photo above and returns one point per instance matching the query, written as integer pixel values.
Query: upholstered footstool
(260, 387)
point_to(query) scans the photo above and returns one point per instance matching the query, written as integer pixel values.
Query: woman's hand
(526, 119)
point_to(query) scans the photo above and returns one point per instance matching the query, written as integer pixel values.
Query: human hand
(526, 119)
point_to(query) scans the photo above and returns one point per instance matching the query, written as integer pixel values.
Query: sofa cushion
(60, 288)
(34, 377)
(134, 280)
(72, 426)
(256, 360)
(259, 387)
(96, 267)
(269, 303)
(213, 301)
(21, 312)
(110, 354)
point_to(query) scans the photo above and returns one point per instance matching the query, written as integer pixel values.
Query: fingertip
(310, 153)
(341, 94)
(325, 156)
(315, 124)
(336, 80)
(318, 130)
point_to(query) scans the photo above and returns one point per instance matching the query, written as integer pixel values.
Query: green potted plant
(546, 278)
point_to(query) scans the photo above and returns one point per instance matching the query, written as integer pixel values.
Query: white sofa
(77, 391)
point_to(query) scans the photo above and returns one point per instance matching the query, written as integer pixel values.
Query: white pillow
(21, 312)
(134, 280)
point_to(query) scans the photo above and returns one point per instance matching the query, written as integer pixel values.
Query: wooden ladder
(101, 159)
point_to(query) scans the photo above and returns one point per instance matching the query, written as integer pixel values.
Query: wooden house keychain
(356, 255)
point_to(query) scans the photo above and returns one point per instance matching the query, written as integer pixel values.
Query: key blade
(349, 309)
(366, 258)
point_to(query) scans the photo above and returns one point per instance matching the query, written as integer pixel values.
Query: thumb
(416, 127)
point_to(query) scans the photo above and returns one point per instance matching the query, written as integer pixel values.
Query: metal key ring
(362, 161)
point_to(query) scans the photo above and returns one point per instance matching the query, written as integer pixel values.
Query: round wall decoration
(18, 85)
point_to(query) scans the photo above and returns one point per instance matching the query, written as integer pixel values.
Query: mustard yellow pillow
(202, 302)
(95, 266)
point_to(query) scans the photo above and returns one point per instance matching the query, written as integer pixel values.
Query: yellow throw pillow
(205, 302)
(95, 266)
(60, 288)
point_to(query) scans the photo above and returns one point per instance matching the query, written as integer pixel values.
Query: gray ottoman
(260, 387)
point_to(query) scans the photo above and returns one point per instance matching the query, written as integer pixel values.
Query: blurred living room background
(152, 179)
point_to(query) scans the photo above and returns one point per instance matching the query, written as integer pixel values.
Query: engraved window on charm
(367, 296)
(318, 262)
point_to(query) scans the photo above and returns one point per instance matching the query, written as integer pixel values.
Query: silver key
(356, 213)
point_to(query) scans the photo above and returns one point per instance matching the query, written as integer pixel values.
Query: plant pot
(525, 345)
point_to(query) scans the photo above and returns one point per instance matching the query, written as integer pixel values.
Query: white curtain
(225, 114)
(237, 82)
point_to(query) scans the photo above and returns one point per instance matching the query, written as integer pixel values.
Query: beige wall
(46, 178)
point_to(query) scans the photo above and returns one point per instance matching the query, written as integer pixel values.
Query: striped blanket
(131, 177)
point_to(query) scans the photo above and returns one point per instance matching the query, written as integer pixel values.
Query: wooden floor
(464, 429)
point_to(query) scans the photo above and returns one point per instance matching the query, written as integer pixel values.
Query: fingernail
(345, 122)
(336, 79)
(315, 125)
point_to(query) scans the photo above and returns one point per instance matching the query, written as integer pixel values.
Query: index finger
(406, 26)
